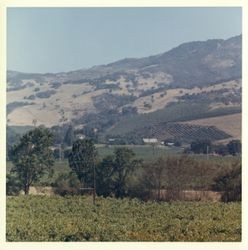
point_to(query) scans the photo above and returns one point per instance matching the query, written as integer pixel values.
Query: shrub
(229, 182)
(46, 94)
(201, 146)
(13, 185)
(55, 85)
(147, 105)
(31, 97)
(221, 149)
(67, 184)
(13, 105)
(234, 147)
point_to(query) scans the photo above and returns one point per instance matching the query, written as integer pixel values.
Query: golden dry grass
(62, 106)
(159, 102)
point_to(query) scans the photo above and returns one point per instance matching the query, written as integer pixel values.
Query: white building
(150, 140)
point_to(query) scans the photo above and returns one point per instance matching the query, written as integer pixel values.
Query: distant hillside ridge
(194, 63)
(191, 81)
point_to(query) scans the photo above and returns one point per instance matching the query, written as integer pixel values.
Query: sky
(42, 40)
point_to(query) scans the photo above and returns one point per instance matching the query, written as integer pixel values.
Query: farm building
(150, 140)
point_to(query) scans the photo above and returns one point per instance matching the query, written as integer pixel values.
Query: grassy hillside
(174, 113)
(204, 70)
(231, 124)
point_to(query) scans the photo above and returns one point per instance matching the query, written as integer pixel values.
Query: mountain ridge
(238, 37)
(202, 72)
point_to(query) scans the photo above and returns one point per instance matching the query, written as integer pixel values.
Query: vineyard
(75, 218)
(171, 113)
(183, 132)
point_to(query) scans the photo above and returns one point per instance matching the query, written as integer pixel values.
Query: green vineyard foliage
(75, 218)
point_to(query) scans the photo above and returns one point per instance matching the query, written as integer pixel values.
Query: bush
(45, 94)
(129, 110)
(66, 153)
(67, 184)
(13, 185)
(147, 105)
(234, 147)
(31, 97)
(55, 85)
(221, 149)
(229, 182)
(201, 146)
(13, 105)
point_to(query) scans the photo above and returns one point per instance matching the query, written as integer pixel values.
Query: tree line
(206, 147)
(119, 174)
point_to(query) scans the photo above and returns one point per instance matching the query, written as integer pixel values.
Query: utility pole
(207, 152)
(61, 154)
(94, 184)
(153, 149)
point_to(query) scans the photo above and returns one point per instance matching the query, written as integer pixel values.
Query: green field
(141, 152)
(34, 218)
(144, 152)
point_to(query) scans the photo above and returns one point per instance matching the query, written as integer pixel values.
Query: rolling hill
(128, 97)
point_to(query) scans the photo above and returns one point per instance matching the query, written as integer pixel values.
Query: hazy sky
(63, 39)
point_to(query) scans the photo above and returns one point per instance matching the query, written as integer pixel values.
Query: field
(75, 218)
(175, 113)
(144, 152)
(141, 152)
(231, 124)
(186, 132)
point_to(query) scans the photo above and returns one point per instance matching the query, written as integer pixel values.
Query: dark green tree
(234, 147)
(104, 176)
(201, 146)
(221, 149)
(113, 172)
(32, 157)
(82, 160)
(229, 182)
(123, 165)
(13, 185)
(154, 176)
(69, 136)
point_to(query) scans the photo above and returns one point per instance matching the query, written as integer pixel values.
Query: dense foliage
(32, 157)
(13, 105)
(45, 94)
(169, 177)
(206, 147)
(13, 184)
(82, 161)
(201, 147)
(114, 170)
(76, 219)
(69, 136)
(67, 184)
(234, 147)
(229, 182)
